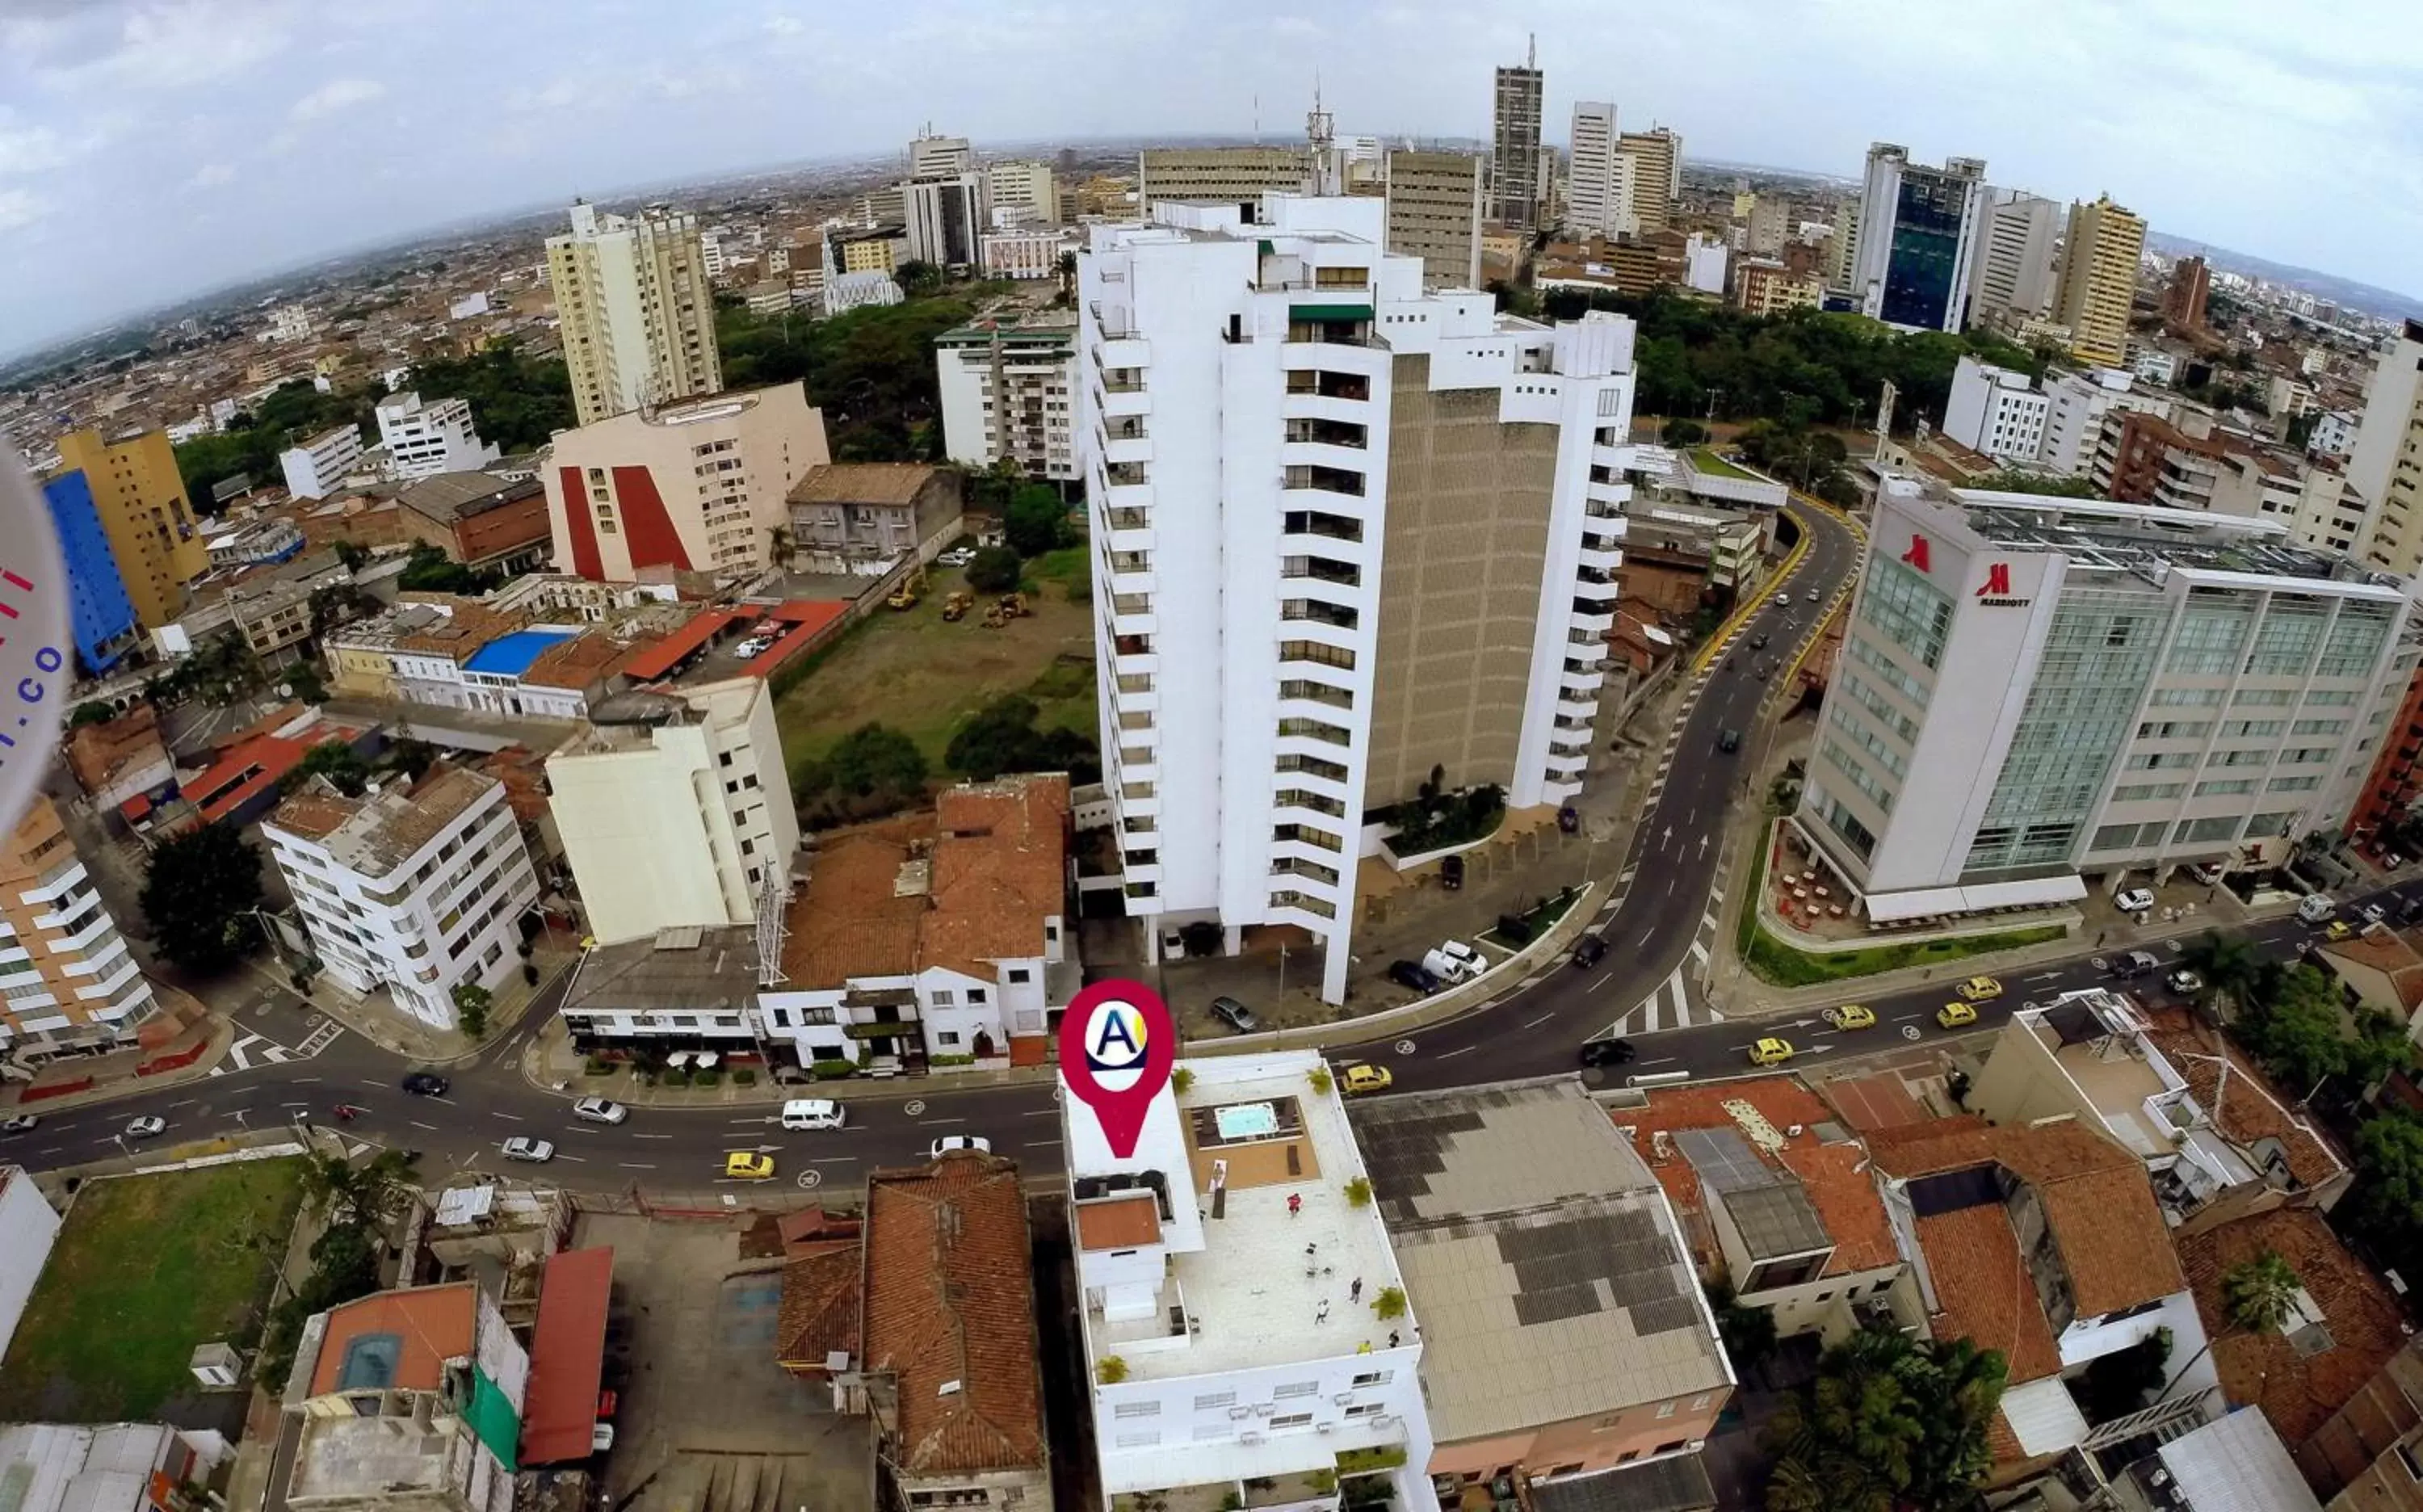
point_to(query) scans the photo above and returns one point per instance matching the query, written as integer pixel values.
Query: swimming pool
(1246, 1121)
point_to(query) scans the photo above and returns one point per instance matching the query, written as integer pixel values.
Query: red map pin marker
(1117, 1047)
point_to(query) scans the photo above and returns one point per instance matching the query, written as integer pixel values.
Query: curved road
(1531, 1032)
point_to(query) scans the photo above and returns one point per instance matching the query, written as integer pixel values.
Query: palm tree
(2259, 1294)
(2229, 970)
(1067, 266)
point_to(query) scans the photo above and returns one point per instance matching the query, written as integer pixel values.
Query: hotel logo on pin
(1117, 1047)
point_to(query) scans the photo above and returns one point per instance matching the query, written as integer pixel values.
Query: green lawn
(146, 1268)
(1779, 964)
(1705, 459)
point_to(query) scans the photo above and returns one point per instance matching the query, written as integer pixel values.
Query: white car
(949, 1142)
(2374, 913)
(600, 1110)
(2135, 901)
(522, 1148)
(1783, 600)
(146, 1127)
(812, 1113)
(957, 558)
(748, 649)
(1456, 961)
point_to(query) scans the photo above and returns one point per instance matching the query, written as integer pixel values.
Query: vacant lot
(146, 1268)
(922, 676)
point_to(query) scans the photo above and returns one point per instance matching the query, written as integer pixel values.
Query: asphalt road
(1534, 1032)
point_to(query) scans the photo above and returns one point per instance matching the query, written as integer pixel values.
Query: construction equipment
(995, 617)
(1013, 605)
(956, 606)
(912, 588)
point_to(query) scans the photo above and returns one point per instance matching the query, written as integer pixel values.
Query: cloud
(335, 95)
(164, 44)
(559, 95)
(21, 208)
(211, 175)
(34, 150)
(785, 25)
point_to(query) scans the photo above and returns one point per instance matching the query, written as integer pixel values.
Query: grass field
(1779, 964)
(924, 675)
(1707, 461)
(146, 1268)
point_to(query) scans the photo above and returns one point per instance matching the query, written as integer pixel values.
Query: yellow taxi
(1360, 1078)
(748, 1165)
(1770, 1051)
(1978, 989)
(1953, 1016)
(1850, 1016)
(2340, 930)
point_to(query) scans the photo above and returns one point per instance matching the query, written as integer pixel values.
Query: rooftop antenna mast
(773, 927)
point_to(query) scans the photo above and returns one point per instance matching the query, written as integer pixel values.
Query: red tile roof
(819, 1314)
(429, 1325)
(950, 1313)
(2246, 1109)
(567, 1356)
(1983, 1290)
(808, 619)
(851, 919)
(254, 765)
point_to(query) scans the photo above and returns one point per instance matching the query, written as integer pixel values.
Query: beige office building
(1025, 185)
(1435, 214)
(1657, 157)
(1221, 175)
(2098, 280)
(141, 498)
(637, 313)
(2388, 457)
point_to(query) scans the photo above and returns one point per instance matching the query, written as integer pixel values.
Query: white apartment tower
(940, 157)
(71, 986)
(637, 313)
(1595, 198)
(1918, 234)
(425, 440)
(317, 468)
(2388, 457)
(1997, 411)
(415, 888)
(2014, 271)
(1009, 391)
(1347, 532)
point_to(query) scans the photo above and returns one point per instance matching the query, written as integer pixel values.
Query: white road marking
(832, 1160)
(515, 1117)
(1537, 1022)
(1603, 979)
(652, 1136)
(1040, 1113)
(1465, 1051)
(1699, 951)
(628, 1165)
(418, 1124)
(1040, 1145)
(1661, 1060)
(582, 1159)
(187, 1102)
(923, 1122)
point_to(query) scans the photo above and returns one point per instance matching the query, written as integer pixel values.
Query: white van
(1446, 967)
(812, 1113)
(2314, 908)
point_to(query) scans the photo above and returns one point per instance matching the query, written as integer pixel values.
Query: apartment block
(141, 500)
(481, 520)
(2033, 690)
(1221, 175)
(416, 888)
(940, 157)
(1435, 202)
(72, 985)
(1414, 508)
(425, 440)
(1243, 1316)
(693, 487)
(864, 518)
(1765, 287)
(637, 312)
(1920, 232)
(100, 616)
(945, 219)
(1598, 198)
(1653, 177)
(2183, 298)
(1025, 188)
(2075, 404)
(317, 468)
(1996, 411)
(1030, 254)
(1515, 161)
(1009, 392)
(2386, 466)
(2014, 268)
(675, 809)
(2098, 279)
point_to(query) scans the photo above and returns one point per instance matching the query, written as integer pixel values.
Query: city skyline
(249, 136)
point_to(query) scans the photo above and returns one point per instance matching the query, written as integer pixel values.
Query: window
(1699, 1403)
(2175, 729)
(1367, 1410)
(2136, 792)
(2218, 789)
(1669, 1446)
(2244, 729)
(1210, 1400)
(2238, 759)
(2264, 698)
(1909, 610)
(1018, 975)
(976, 997)
(1373, 1377)
(1137, 1410)
(1296, 1389)
(946, 1037)
(1665, 1409)
(943, 998)
(1288, 1420)
(1140, 1439)
(2292, 785)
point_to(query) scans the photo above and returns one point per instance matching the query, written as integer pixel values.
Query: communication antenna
(773, 927)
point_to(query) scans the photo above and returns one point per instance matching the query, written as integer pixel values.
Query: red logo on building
(1916, 555)
(1998, 580)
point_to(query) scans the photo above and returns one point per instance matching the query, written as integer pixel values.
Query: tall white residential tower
(1595, 202)
(637, 313)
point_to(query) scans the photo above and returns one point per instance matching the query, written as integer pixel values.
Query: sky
(151, 150)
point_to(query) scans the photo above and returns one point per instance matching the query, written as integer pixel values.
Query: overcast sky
(152, 149)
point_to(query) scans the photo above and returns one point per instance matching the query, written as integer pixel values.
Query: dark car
(1606, 1052)
(1452, 874)
(1235, 1014)
(1589, 953)
(425, 1083)
(1758, 641)
(1415, 975)
(1728, 741)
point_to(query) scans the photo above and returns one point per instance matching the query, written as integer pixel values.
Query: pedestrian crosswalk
(1677, 1004)
(251, 1051)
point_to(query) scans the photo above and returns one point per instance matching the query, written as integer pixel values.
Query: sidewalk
(191, 1056)
(401, 1035)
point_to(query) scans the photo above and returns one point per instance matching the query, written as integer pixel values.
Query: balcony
(1582, 676)
(1314, 430)
(1321, 570)
(1321, 523)
(1318, 612)
(1308, 382)
(1319, 478)
(1330, 325)
(1600, 554)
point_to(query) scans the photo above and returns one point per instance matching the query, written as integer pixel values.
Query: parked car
(2207, 872)
(1361, 1078)
(2315, 907)
(1235, 1014)
(1849, 1016)
(1728, 741)
(2339, 929)
(1471, 961)
(2374, 913)
(425, 1083)
(2135, 900)
(1954, 1015)
(1980, 989)
(2135, 963)
(813, 1113)
(949, 1142)
(1770, 1051)
(600, 1110)
(521, 1147)
(1589, 953)
(748, 1165)
(148, 1126)
(1451, 874)
(958, 556)
(1413, 974)
(2185, 983)
(1606, 1052)
(21, 1124)
(750, 648)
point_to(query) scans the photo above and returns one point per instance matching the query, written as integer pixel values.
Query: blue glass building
(102, 615)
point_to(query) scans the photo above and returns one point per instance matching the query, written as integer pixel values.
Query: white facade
(1918, 234)
(425, 440)
(2075, 404)
(2334, 434)
(2032, 689)
(1024, 187)
(1235, 383)
(1596, 199)
(2154, 365)
(28, 1224)
(2014, 268)
(1996, 411)
(415, 889)
(674, 809)
(317, 468)
(1025, 254)
(940, 157)
(2383, 460)
(291, 323)
(1010, 392)
(855, 291)
(1242, 1351)
(1704, 263)
(946, 217)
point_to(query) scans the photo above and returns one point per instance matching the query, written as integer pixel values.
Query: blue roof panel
(510, 656)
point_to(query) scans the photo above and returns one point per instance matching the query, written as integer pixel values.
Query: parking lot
(707, 1421)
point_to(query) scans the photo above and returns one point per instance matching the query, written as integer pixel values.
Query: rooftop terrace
(2148, 541)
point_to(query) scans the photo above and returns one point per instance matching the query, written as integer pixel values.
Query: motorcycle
(345, 1112)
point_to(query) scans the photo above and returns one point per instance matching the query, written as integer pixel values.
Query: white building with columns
(1346, 532)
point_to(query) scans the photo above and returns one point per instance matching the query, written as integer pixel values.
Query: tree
(346, 1193)
(917, 277)
(91, 714)
(431, 570)
(2013, 482)
(877, 758)
(1003, 738)
(335, 760)
(516, 402)
(199, 887)
(1389, 1304)
(1888, 1421)
(2116, 1384)
(1038, 520)
(471, 1005)
(1683, 431)
(2386, 1201)
(353, 554)
(303, 681)
(1748, 1332)
(994, 569)
(2227, 967)
(2296, 1028)
(2259, 1294)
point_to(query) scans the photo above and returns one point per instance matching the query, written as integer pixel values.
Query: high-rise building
(674, 808)
(1656, 162)
(1841, 250)
(946, 216)
(940, 157)
(416, 888)
(696, 487)
(1434, 214)
(1918, 241)
(2098, 279)
(1514, 158)
(2183, 298)
(1594, 197)
(1281, 398)
(2035, 689)
(1009, 391)
(317, 468)
(1769, 225)
(2015, 270)
(141, 500)
(2388, 454)
(1025, 186)
(635, 310)
(425, 440)
(73, 986)
(1220, 175)
(101, 616)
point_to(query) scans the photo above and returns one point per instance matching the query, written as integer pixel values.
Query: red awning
(566, 1357)
(666, 654)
